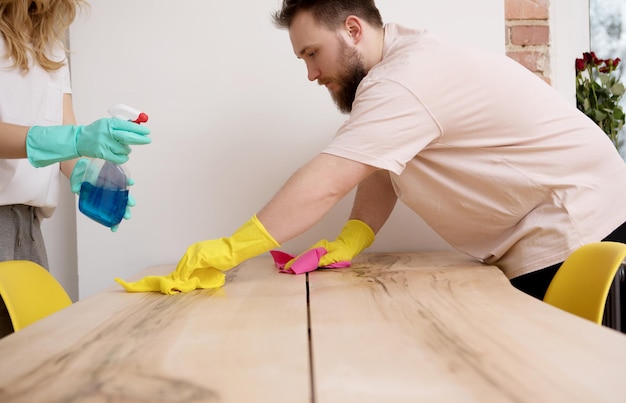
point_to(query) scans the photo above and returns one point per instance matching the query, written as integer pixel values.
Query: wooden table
(413, 327)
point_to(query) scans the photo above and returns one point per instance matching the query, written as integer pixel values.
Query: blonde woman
(39, 138)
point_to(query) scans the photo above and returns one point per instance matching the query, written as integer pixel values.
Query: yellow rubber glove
(352, 240)
(203, 263)
(170, 284)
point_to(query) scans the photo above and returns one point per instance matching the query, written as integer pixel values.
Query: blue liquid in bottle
(106, 206)
(104, 199)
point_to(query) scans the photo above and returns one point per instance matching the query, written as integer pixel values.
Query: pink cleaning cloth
(306, 262)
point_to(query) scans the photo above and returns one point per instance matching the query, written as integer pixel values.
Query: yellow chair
(30, 292)
(582, 283)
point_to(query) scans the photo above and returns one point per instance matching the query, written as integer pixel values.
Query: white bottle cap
(124, 112)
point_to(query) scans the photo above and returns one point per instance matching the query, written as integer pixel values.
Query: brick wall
(528, 34)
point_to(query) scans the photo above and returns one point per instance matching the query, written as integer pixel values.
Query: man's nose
(313, 72)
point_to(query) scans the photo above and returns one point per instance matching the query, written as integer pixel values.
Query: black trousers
(537, 282)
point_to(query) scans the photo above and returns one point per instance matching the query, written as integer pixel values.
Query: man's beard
(349, 80)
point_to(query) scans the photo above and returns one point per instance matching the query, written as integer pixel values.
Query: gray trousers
(20, 239)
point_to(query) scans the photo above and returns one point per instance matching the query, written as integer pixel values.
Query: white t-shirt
(32, 99)
(497, 162)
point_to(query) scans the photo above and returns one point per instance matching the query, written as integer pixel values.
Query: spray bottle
(104, 190)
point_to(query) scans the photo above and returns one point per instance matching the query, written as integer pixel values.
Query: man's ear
(354, 28)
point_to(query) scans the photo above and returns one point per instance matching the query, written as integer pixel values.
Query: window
(607, 28)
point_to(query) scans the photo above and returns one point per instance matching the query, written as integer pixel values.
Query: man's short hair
(330, 13)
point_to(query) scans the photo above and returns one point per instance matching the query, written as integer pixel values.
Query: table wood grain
(439, 327)
(245, 342)
(406, 327)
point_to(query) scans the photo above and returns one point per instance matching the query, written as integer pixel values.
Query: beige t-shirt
(497, 162)
(31, 99)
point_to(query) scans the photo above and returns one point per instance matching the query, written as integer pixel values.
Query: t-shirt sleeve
(66, 81)
(63, 78)
(388, 126)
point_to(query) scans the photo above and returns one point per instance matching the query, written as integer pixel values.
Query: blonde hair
(30, 27)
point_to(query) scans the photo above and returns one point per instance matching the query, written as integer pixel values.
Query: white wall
(569, 33)
(59, 233)
(232, 116)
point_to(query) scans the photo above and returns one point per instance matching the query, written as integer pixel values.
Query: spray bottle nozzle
(125, 112)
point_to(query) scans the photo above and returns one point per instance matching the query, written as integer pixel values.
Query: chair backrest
(30, 292)
(582, 283)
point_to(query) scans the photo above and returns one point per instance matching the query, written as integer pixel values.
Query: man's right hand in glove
(204, 262)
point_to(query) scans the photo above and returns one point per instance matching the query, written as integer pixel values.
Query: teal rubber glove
(76, 179)
(108, 139)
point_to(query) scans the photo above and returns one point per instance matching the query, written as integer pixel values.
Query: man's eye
(312, 54)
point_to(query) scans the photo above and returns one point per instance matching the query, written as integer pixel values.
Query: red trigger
(142, 118)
